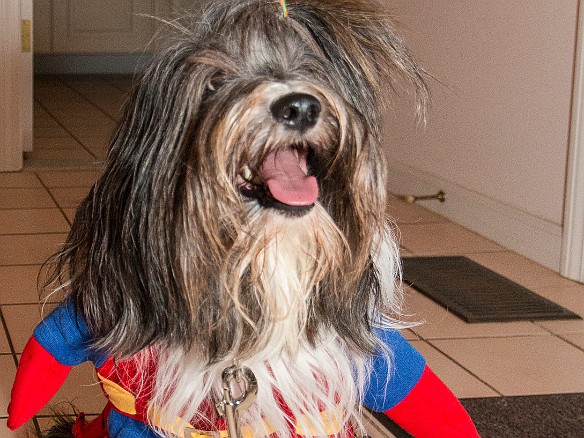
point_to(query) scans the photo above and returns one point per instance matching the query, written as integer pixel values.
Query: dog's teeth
(247, 173)
(296, 154)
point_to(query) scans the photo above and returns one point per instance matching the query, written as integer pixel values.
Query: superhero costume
(414, 397)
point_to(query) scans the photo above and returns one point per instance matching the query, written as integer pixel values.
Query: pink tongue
(285, 175)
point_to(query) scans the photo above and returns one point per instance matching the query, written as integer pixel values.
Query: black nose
(298, 111)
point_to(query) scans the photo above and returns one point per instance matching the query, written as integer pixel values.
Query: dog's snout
(298, 111)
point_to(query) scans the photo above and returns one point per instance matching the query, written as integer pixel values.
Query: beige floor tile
(575, 338)
(445, 238)
(34, 221)
(55, 143)
(69, 197)
(84, 178)
(19, 180)
(520, 269)
(571, 298)
(11, 198)
(374, 428)
(89, 84)
(7, 374)
(97, 145)
(21, 319)
(18, 284)
(520, 365)
(410, 335)
(68, 115)
(123, 82)
(462, 383)
(93, 131)
(80, 389)
(26, 431)
(27, 285)
(29, 249)
(114, 110)
(39, 111)
(4, 345)
(403, 213)
(83, 119)
(70, 214)
(438, 323)
(45, 122)
(111, 96)
(50, 131)
(66, 103)
(60, 155)
(33, 164)
(55, 92)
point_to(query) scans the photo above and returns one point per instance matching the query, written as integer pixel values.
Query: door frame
(572, 261)
(11, 129)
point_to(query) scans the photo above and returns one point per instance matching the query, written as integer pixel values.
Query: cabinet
(105, 26)
(87, 26)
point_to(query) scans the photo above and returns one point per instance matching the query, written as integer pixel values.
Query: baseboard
(515, 229)
(107, 63)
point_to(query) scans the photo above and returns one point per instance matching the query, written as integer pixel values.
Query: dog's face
(245, 186)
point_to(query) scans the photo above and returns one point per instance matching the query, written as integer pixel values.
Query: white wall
(497, 134)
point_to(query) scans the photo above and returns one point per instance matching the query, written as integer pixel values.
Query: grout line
(67, 130)
(465, 368)
(62, 83)
(87, 99)
(61, 209)
(40, 233)
(559, 336)
(8, 337)
(36, 426)
(510, 336)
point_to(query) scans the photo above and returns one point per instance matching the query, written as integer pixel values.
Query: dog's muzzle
(283, 180)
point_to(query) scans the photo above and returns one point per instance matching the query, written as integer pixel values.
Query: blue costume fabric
(64, 341)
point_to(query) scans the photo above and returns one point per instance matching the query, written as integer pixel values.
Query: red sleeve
(38, 378)
(431, 410)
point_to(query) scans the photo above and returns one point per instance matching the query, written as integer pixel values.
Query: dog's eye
(215, 82)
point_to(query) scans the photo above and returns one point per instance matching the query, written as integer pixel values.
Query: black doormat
(540, 416)
(477, 294)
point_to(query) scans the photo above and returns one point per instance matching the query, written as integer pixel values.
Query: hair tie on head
(284, 8)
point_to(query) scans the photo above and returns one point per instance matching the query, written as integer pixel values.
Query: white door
(15, 83)
(105, 26)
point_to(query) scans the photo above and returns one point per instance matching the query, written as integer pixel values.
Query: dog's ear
(122, 247)
(367, 54)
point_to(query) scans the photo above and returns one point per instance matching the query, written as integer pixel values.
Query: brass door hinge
(26, 35)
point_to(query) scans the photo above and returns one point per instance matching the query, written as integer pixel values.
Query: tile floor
(74, 117)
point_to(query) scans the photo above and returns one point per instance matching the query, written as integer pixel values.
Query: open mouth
(283, 181)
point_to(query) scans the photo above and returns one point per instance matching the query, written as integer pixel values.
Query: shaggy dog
(241, 222)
